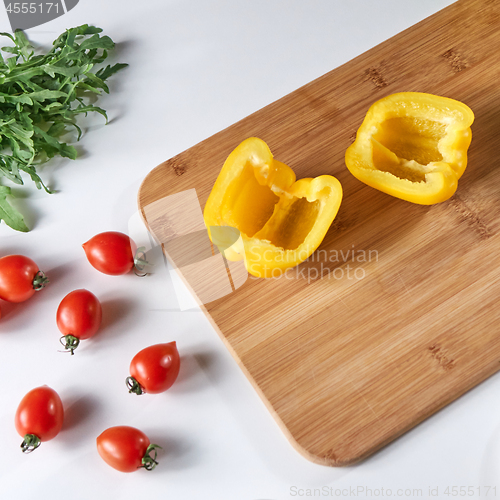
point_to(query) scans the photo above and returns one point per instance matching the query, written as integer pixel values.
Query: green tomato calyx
(31, 443)
(133, 386)
(40, 281)
(149, 462)
(70, 342)
(140, 262)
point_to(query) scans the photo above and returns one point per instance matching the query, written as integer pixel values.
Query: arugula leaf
(9, 214)
(106, 72)
(40, 98)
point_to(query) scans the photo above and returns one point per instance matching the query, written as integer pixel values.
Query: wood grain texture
(346, 365)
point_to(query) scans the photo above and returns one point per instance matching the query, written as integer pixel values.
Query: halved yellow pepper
(279, 221)
(413, 146)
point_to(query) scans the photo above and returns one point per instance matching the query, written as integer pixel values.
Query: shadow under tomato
(175, 453)
(7, 310)
(57, 273)
(114, 312)
(79, 410)
(12, 310)
(190, 377)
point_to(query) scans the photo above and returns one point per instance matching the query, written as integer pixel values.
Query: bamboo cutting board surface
(347, 362)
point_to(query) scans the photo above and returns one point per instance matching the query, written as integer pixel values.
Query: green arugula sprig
(40, 99)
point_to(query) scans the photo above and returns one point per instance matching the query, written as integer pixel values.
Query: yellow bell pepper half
(413, 146)
(279, 221)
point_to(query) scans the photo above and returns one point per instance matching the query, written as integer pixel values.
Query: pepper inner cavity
(404, 146)
(291, 222)
(253, 206)
(258, 212)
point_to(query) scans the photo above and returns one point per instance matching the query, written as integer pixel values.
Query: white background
(196, 67)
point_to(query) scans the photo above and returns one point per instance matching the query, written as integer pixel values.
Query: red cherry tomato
(154, 369)
(39, 417)
(78, 317)
(126, 449)
(20, 278)
(111, 252)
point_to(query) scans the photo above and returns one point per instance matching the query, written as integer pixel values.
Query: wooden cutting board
(348, 362)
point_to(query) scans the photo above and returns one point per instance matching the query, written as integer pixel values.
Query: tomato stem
(133, 386)
(149, 462)
(31, 443)
(140, 262)
(40, 281)
(70, 342)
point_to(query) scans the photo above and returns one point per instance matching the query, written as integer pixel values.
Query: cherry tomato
(39, 417)
(111, 252)
(154, 369)
(78, 317)
(20, 278)
(126, 449)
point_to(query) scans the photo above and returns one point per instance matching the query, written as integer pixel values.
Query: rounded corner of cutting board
(330, 458)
